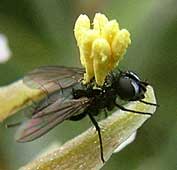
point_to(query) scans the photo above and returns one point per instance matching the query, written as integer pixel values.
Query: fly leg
(95, 123)
(133, 111)
(148, 103)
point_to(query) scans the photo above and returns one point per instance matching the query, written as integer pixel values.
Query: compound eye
(128, 89)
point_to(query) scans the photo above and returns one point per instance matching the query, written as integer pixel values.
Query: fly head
(129, 86)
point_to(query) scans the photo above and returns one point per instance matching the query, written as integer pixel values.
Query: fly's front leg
(133, 111)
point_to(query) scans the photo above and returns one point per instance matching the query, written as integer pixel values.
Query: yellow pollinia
(101, 44)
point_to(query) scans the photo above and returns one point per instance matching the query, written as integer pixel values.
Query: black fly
(69, 99)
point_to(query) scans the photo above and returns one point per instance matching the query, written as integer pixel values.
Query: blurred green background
(40, 32)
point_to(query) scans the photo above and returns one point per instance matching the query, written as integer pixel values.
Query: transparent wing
(50, 116)
(52, 78)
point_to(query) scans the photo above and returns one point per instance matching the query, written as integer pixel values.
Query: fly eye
(127, 88)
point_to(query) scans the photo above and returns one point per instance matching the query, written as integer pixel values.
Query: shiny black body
(67, 98)
(100, 97)
(105, 97)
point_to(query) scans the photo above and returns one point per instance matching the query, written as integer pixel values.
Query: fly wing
(47, 118)
(52, 78)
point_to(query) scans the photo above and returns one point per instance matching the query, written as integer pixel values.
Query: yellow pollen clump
(101, 45)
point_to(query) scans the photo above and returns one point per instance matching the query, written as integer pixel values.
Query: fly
(69, 99)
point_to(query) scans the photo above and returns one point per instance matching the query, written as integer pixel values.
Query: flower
(101, 45)
(5, 52)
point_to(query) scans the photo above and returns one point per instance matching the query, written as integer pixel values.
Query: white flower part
(5, 52)
(126, 142)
